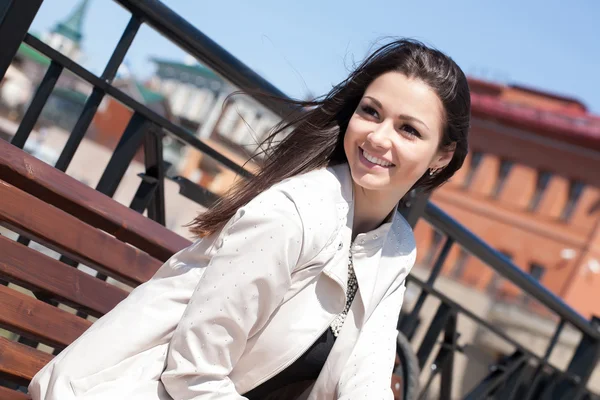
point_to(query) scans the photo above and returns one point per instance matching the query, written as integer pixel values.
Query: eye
(408, 129)
(368, 110)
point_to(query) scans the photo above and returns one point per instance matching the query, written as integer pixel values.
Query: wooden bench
(55, 210)
(51, 208)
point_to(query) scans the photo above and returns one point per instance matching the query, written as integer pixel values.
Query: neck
(371, 208)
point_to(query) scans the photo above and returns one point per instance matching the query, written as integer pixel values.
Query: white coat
(235, 308)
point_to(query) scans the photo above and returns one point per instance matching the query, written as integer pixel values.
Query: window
(543, 178)
(503, 171)
(461, 263)
(473, 165)
(537, 271)
(575, 189)
(435, 243)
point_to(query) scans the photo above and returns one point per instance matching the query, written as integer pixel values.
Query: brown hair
(317, 134)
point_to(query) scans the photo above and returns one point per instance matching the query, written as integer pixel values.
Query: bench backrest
(44, 205)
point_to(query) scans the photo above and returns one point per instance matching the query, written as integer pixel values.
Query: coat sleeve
(244, 283)
(368, 373)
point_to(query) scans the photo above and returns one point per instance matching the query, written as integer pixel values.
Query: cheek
(352, 136)
(414, 159)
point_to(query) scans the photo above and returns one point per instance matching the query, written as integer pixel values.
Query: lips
(371, 161)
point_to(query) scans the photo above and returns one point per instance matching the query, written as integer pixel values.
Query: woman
(295, 288)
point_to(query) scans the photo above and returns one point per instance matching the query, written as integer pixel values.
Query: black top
(305, 369)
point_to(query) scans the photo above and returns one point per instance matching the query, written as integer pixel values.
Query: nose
(380, 137)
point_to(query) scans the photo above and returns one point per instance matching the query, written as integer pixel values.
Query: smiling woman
(393, 138)
(294, 287)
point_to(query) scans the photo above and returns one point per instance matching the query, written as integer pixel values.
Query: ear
(443, 157)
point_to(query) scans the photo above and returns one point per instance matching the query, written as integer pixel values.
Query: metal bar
(507, 269)
(195, 192)
(15, 19)
(128, 145)
(443, 363)
(37, 105)
(584, 361)
(436, 326)
(538, 371)
(131, 30)
(155, 167)
(190, 39)
(413, 206)
(513, 384)
(23, 240)
(449, 347)
(144, 194)
(484, 324)
(92, 103)
(496, 377)
(79, 130)
(424, 391)
(441, 260)
(408, 324)
(174, 130)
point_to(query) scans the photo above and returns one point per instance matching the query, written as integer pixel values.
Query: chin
(370, 182)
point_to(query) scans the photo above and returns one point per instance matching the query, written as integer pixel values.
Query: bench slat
(33, 270)
(68, 235)
(55, 187)
(19, 362)
(38, 321)
(8, 394)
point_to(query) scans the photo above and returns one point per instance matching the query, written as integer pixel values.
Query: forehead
(399, 94)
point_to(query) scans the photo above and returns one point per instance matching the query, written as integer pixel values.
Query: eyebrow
(401, 116)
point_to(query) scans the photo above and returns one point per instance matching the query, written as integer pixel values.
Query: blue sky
(307, 46)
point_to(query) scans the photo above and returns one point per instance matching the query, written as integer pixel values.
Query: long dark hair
(317, 134)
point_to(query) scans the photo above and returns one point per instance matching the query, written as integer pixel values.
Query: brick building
(531, 189)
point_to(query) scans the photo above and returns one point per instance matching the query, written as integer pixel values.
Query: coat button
(340, 246)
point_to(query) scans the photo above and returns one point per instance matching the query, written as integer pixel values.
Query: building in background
(29, 67)
(531, 189)
(203, 103)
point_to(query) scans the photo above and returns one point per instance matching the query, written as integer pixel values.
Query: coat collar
(375, 253)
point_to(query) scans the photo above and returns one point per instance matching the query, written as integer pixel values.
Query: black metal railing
(520, 375)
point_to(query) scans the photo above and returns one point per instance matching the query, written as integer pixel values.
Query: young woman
(295, 287)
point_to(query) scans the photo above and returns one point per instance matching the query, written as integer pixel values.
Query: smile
(371, 161)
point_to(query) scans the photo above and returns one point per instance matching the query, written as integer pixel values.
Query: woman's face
(394, 135)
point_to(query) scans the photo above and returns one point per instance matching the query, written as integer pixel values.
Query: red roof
(571, 124)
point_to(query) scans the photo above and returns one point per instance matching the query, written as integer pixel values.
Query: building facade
(530, 188)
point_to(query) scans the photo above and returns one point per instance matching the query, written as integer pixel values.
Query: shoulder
(404, 243)
(317, 200)
(403, 233)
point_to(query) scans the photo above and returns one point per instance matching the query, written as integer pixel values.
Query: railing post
(155, 167)
(437, 325)
(584, 361)
(499, 375)
(408, 325)
(16, 17)
(413, 205)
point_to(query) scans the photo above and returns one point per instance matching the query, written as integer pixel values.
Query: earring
(432, 171)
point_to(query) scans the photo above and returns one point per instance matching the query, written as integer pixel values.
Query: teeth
(376, 160)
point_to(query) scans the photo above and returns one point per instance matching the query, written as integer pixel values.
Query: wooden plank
(68, 235)
(39, 321)
(37, 272)
(8, 394)
(55, 187)
(19, 363)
